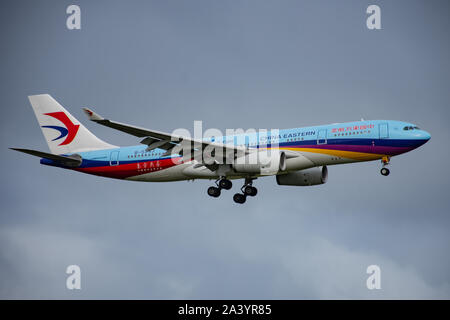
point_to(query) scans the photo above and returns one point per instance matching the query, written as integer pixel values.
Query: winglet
(92, 115)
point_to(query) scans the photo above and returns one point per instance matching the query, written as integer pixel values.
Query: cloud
(223, 63)
(233, 260)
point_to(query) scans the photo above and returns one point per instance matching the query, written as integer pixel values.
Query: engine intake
(306, 177)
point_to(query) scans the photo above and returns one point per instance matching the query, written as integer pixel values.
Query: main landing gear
(247, 190)
(221, 183)
(385, 171)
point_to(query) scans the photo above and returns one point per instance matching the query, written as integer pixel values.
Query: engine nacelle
(306, 177)
(265, 162)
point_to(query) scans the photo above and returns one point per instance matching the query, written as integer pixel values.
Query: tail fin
(64, 133)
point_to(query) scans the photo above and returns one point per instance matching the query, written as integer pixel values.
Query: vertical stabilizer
(62, 131)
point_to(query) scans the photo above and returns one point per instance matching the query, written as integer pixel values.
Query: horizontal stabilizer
(69, 161)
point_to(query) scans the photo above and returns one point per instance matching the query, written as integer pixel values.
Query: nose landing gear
(385, 171)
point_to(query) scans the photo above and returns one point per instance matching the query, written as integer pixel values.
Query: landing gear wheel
(384, 171)
(239, 198)
(225, 184)
(250, 191)
(213, 192)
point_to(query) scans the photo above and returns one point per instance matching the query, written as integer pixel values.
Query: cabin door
(384, 130)
(322, 136)
(114, 160)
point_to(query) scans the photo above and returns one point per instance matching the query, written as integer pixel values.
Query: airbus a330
(296, 157)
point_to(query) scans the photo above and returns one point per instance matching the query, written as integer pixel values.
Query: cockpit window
(411, 128)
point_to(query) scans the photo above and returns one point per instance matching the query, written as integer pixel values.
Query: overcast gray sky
(233, 64)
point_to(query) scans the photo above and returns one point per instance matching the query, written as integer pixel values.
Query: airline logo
(69, 131)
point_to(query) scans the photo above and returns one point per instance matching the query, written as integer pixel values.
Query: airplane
(296, 157)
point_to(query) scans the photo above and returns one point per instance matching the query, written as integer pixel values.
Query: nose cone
(425, 135)
(421, 137)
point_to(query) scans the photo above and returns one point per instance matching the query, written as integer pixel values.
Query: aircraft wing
(157, 139)
(133, 130)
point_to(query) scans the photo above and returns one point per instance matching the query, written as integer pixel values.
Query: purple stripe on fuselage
(386, 150)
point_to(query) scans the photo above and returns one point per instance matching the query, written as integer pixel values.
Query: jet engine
(306, 177)
(265, 162)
